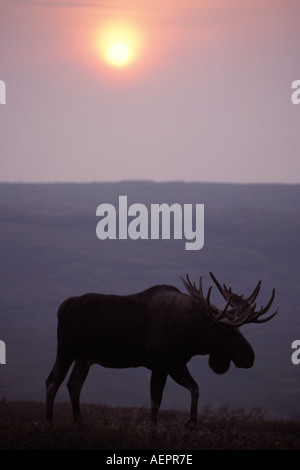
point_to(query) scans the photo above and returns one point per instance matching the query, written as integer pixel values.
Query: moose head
(228, 343)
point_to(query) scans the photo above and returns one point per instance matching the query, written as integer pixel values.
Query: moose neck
(199, 333)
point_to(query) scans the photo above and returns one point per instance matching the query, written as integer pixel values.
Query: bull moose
(160, 328)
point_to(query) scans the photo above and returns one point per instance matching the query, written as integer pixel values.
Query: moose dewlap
(160, 329)
(163, 222)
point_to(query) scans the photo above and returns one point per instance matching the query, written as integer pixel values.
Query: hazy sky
(207, 97)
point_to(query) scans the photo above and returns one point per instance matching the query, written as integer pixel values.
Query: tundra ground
(22, 427)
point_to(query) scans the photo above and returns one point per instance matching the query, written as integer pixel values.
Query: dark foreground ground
(22, 427)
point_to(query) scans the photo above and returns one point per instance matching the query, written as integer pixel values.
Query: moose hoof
(190, 424)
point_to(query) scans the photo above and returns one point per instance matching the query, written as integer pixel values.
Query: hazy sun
(119, 54)
(119, 45)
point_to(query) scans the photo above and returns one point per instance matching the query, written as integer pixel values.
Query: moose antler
(242, 311)
(238, 300)
(235, 298)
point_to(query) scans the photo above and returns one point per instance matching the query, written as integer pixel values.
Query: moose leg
(53, 382)
(182, 376)
(157, 384)
(75, 383)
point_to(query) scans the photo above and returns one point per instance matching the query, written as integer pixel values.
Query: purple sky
(209, 98)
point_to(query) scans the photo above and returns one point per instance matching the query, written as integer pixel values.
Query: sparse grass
(22, 427)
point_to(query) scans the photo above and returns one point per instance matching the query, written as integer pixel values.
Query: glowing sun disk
(119, 54)
(118, 44)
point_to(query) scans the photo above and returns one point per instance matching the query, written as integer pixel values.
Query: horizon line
(149, 181)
